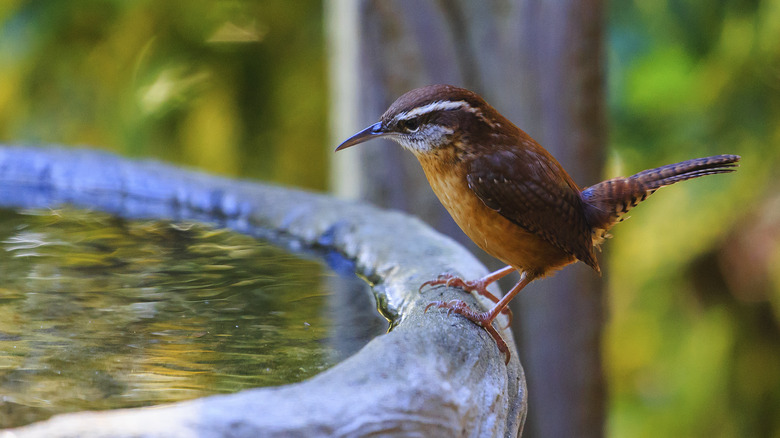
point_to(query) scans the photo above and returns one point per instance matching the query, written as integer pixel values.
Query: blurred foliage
(234, 87)
(690, 350)
(692, 345)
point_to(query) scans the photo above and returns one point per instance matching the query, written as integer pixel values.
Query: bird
(508, 194)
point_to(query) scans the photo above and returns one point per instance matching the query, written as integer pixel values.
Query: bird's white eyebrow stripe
(439, 105)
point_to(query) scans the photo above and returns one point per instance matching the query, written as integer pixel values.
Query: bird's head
(429, 118)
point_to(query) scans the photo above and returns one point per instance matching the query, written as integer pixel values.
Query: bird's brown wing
(533, 191)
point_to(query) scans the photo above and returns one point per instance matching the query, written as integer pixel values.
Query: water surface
(98, 312)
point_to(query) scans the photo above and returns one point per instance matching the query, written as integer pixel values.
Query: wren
(508, 194)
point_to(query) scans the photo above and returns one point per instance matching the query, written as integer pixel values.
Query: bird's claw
(480, 319)
(445, 279)
(477, 286)
(456, 306)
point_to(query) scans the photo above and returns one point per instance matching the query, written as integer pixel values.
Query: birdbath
(430, 375)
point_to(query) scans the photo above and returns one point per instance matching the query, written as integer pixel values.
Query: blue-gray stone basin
(431, 375)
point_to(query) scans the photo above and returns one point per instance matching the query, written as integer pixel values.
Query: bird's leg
(485, 319)
(479, 286)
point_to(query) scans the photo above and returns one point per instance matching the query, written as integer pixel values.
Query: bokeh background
(239, 88)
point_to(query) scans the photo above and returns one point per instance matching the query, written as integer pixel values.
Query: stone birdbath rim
(431, 375)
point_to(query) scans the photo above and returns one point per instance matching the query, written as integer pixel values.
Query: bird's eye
(411, 125)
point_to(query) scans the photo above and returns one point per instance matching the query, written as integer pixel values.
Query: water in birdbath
(98, 312)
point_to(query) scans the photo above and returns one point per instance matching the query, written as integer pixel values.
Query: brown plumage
(508, 194)
(607, 202)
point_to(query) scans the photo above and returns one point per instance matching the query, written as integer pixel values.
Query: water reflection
(98, 312)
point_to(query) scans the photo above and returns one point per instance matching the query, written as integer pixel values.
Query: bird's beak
(373, 131)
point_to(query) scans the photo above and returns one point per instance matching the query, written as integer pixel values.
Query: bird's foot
(447, 279)
(481, 319)
(478, 286)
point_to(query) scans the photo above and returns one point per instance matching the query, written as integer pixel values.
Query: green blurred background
(239, 88)
(233, 87)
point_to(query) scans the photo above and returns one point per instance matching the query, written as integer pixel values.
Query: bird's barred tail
(607, 203)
